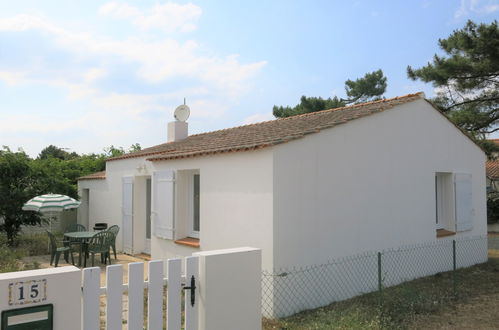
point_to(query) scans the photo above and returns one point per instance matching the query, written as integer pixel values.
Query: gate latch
(193, 290)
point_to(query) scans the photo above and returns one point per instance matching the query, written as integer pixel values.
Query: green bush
(493, 207)
(9, 258)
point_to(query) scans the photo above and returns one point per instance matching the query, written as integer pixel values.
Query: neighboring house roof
(94, 176)
(492, 169)
(265, 134)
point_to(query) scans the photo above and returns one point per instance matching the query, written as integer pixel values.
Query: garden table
(82, 237)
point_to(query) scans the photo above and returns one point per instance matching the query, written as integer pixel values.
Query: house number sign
(27, 292)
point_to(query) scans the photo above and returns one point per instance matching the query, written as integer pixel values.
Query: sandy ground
(123, 259)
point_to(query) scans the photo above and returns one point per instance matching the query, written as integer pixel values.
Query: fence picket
(155, 296)
(136, 296)
(90, 305)
(114, 305)
(174, 302)
(191, 312)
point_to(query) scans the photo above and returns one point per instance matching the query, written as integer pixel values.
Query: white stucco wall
(369, 185)
(106, 197)
(98, 197)
(235, 204)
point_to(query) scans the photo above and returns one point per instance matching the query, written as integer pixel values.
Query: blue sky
(85, 75)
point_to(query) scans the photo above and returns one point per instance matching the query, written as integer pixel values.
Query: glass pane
(148, 209)
(196, 225)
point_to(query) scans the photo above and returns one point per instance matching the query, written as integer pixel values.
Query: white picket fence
(115, 288)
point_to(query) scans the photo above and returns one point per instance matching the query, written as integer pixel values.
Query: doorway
(85, 207)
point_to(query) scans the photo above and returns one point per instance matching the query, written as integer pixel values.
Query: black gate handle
(193, 290)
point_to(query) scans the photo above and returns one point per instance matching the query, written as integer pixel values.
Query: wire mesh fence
(287, 291)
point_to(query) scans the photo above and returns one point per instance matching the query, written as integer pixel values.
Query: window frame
(439, 202)
(190, 218)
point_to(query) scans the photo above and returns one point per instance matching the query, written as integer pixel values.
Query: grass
(404, 306)
(26, 245)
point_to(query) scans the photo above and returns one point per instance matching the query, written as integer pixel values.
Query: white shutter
(127, 211)
(163, 201)
(463, 202)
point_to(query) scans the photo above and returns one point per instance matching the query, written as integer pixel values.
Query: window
(453, 203)
(186, 206)
(148, 209)
(444, 201)
(438, 202)
(194, 214)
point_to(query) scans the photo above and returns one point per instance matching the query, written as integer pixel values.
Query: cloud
(258, 117)
(476, 7)
(12, 78)
(94, 74)
(169, 17)
(116, 89)
(158, 60)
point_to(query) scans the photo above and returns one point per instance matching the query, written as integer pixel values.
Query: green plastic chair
(100, 243)
(55, 252)
(115, 229)
(71, 228)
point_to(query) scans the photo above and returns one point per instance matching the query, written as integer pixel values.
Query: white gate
(115, 290)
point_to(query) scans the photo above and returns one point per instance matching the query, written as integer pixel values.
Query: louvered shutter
(163, 202)
(127, 210)
(463, 201)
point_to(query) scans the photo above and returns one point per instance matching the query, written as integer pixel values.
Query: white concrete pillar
(59, 287)
(230, 289)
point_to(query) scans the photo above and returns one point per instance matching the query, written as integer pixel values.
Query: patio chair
(55, 252)
(75, 227)
(115, 229)
(100, 243)
(71, 228)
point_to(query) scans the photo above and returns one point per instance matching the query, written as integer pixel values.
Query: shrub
(493, 207)
(9, 258)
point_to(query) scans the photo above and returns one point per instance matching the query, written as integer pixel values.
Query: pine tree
(368, 88)
(467, 78)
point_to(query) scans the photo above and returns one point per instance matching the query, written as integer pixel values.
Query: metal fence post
(380, 280)
(454, 267)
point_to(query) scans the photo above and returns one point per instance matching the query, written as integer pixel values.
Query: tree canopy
(308, 104)
(368, 88)
(18, 183)
(56, 152)
(53, 171)
(467, 78)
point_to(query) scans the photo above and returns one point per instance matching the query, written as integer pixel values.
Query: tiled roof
(492, 169)
(265, 134)
(94, 176)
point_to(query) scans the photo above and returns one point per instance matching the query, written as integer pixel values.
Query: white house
(305, 189)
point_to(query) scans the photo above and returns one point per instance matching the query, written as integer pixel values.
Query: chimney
(177, 130)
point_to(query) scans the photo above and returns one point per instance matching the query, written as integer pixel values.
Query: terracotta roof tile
(492, 169)
(265, 134)
(94, 176)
